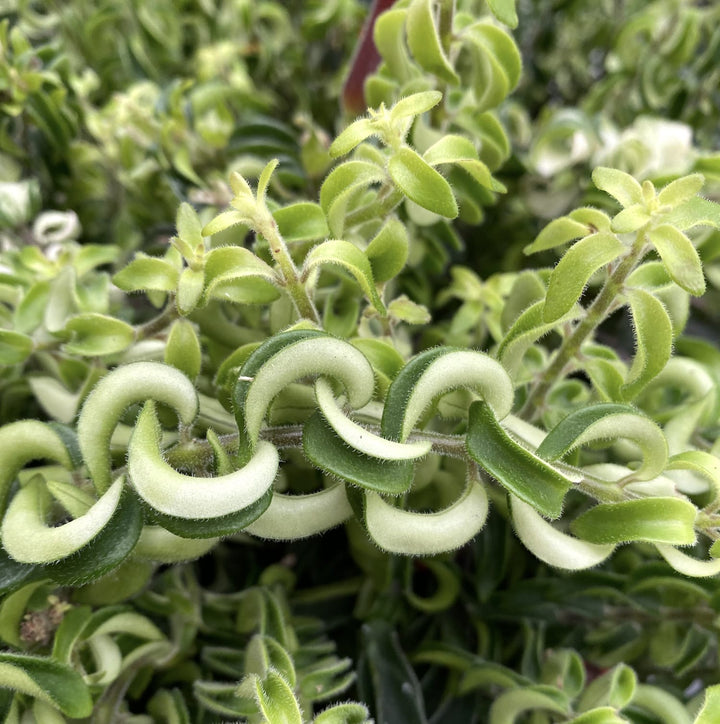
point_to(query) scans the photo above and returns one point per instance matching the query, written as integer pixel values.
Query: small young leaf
(97, 335)
(235, 274)
(302, 221)
(679, 257)
(655, 520)
(653, 334)
(147, 273)
(415, 104)
(424, 42)
(388, 251)
(619, 185)
(630, 219)
(183, 349)
(189, 290)
(348, 257)
(421, 183)
(405, 310)
(352, 136)
(525, 475)
(350, 713)
(681, 190)
(276, 699)
(695, 212)
(188, 225)
(224, 220)
(264, 179)
(556, 233)
(574, 270)
(15, 348)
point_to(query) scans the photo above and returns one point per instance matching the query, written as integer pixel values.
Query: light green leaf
(47, 680)
(681, 190)
(688, 565)
(504, 11)
(276, 699)
(224, 220)
(388, 251)
(518, 470)
(653, 335)
(349, 258)
(405, 310)
(663, 705)
(630, 219)
(147, 273)
(187, 496)
(614, 688)
(183, 348)
(679, 257)
(551, 545)
(341, 184)
(460, 151)
(655, 520)
(239, 186)
(424, 41)
(710, 712)
(302, 221)
(511, 704)
(15, 348)
(264, 180)
(98, 335)
(619, 185)
(405, 532)
(415, 104)
(573, 271)
(352, 136)
(188, 225)
(235, 274)
(609, 421)
(350, 713)
(189, 289)
(556, 233)
(695, 212)
(421, 183)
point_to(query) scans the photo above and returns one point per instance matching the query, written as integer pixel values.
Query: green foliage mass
(408, 416)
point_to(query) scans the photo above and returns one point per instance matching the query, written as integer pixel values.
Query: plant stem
(387, 199)
(158, 323)
(304, 306)
(598, 311)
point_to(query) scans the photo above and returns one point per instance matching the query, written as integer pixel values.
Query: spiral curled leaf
(291, 517)
(408, 533)
(433, 373)
(293, 356)
(551, 545)
(185, 496)
(609, 421)
(136, 382)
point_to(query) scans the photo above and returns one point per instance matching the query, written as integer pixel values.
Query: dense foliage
(348, 381)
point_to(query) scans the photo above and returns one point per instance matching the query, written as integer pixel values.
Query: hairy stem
(304, 305)
(597, 313)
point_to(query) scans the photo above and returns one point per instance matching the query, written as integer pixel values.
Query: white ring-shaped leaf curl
(687, 565)
(291, 517)
(120, 388)
(161, 546)
(447, 371)
(28, 539)
(185, 496)
(661, 486)
(359, 438)
(23, 441)
(551, 545)
(426, 534)
(319, 355)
